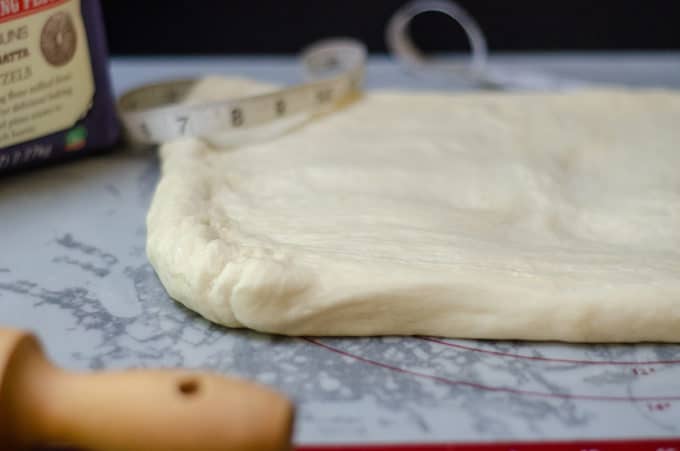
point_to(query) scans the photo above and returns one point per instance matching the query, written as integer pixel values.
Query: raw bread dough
(505, 216)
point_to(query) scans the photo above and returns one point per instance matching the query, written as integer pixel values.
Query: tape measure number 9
(152, 113)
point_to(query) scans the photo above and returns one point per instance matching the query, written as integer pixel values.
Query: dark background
(241, 26)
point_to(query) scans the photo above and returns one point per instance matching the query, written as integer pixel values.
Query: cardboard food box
(55, 92)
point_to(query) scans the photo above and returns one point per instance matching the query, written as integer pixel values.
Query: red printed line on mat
(549, 359)
(478, 386)
(672, 444)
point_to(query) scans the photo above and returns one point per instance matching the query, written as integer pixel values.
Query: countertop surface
(73, 268)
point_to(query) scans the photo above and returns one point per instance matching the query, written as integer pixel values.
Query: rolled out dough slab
(500, 216)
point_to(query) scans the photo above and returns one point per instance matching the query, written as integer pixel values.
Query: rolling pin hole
(188, 386)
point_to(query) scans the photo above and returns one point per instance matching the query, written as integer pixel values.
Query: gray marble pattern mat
(73, 269)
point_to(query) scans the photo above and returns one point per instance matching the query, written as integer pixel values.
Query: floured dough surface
(505, 216)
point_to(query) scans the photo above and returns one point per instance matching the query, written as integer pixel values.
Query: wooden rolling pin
(133, 410)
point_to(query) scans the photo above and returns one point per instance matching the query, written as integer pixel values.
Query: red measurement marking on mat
(672, 444)
(549, 359)
(658, 406)
(476, 385)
